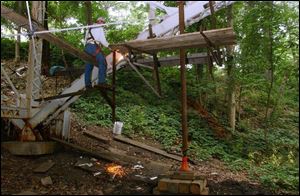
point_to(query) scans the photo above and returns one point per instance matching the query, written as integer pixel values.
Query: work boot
(88, 87)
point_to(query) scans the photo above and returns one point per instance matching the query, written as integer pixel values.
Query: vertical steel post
(184, 165)
(114, 88)
(156, 64)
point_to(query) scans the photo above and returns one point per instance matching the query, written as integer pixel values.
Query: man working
(95, 39)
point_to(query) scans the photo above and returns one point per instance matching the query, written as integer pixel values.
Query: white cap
(100, 19)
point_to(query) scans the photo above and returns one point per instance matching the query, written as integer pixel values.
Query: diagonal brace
(217, 57)
(143, 78)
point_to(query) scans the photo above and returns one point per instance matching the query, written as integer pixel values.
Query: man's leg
(90, 49)
(102, 68)
(87, 74)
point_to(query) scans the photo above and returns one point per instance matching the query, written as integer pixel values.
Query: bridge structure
(30, 110)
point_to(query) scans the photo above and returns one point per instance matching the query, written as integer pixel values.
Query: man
(95, 39)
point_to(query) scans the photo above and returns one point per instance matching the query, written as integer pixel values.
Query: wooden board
(219, 37)
(97, 136)
(118, 156)
(44, 167)
(146, 147)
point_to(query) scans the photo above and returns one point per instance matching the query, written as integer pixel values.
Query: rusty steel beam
(183, 90)
(114, 90)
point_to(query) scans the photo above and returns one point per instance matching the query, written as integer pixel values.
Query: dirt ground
(18, 176)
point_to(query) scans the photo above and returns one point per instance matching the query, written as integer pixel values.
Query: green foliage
(8, 49)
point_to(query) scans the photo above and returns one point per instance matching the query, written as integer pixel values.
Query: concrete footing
(181, 183)
(29, 148)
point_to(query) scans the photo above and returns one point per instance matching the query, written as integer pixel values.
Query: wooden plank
(118, 156)
(97, 136)
(146, 147)
(61, 96)
(80, 92)
(44, 167)
(198, 58)
(20, 20)
(153, 165)
(102, 154)
(218, 37)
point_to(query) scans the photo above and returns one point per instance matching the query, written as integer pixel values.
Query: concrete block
(179, 186)
(29, 148)
(197, 186)
(173, 186)
(205, 191)
(163, 184)
(156, 191)
(183, 175)
(184, 188)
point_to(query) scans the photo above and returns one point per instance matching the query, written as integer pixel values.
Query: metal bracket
(213, 49)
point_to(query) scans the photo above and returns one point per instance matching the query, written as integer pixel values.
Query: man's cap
(100, 19)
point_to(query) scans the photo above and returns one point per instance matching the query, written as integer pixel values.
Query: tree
(46, 45)
(88, 6)
(230, 75)
(17, 46)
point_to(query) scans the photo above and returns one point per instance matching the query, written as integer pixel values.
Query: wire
(60, 30)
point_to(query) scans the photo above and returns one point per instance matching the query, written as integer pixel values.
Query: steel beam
(183, 87)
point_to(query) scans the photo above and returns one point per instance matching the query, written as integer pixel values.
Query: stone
(44, 167)
(46, 181)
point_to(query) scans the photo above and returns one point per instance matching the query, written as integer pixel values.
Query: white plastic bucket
(118, 127)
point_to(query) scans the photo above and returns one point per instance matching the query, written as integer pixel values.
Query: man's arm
(103, 38)
(99, 36)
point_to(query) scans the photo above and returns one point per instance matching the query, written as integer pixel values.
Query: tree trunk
(199, 77)
(271, 66)
(271, 69)
(240, 103)
(231, 79)
(18, 41)
(46, 46)
(88, 6)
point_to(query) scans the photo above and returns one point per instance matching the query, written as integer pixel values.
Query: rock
(109, 190)
(98, 192)
(46, 181)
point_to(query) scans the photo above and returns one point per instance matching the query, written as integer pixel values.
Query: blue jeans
(91, 49)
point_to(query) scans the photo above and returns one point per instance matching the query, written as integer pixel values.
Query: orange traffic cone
(184, 164)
